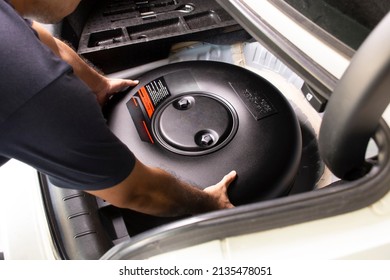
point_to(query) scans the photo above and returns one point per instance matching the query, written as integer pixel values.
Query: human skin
(146, 189)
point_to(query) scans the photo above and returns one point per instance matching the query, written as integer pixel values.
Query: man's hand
(219, 190)
(112, 86)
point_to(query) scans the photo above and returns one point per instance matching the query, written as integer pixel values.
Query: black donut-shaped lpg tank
(202, 119)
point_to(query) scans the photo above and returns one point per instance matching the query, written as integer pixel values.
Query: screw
(206, 139)
(183, 103)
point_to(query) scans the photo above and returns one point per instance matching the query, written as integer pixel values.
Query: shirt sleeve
(62, 132)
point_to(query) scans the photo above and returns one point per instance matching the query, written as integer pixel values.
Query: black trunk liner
(118, 34)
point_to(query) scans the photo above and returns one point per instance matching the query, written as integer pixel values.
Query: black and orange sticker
(143, 105)
(152, 94)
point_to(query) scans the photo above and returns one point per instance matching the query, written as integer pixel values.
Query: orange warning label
(152, 94)
(148, 104)
(143, 105)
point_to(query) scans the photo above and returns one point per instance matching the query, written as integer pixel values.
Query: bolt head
(207, 139)
(184, 103)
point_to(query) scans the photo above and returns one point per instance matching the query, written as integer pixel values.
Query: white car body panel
(363, 235)
(327, 57)
(24, 231)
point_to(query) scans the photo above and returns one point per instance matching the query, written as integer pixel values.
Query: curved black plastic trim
(74, 222)
(353, 111)
(327, 202)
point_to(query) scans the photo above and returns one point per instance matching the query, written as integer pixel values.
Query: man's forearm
(98, 83)
(85, 72)
(166, 195)
(156, 192)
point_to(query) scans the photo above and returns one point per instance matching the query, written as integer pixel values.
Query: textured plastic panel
(75, 223)
(117, 31)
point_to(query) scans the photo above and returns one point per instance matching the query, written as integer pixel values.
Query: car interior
(217, 91)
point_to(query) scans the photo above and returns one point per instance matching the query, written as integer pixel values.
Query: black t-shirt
(49, 118)
(26, 66)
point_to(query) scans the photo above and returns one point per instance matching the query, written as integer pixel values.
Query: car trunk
(195, 51)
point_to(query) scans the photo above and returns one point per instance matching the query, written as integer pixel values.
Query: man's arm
(146, 189)
(156, 192)
(99, 84)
